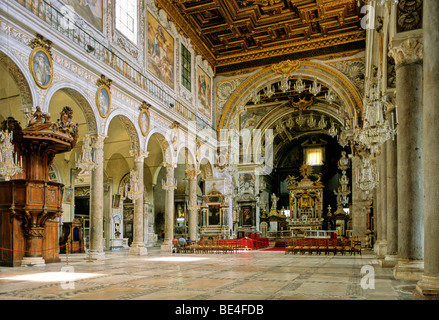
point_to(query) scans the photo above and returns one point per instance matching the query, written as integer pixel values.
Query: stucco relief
(354, 70)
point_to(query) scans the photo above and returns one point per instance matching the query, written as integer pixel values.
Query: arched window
(127, 18)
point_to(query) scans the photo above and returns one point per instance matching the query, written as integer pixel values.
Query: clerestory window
(127, 18)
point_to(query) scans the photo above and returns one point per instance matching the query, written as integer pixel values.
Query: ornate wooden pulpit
(30, 203)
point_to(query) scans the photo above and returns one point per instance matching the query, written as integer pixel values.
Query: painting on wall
(144, 122)
(160, 52)
(68, 195)
(214, 215)
(103, 101)
(247, 216)
(249, 119)
(204, 93)
(247, 183)
(41, 67)
(90, 10)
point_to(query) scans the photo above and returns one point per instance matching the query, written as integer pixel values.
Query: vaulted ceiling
(232, 33)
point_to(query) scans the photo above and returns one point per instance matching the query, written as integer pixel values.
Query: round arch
(22, 77)
(164, 143)
(342, 86)
(131, 127)
(189, 159)
(80, 97)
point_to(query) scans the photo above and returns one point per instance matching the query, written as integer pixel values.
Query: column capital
(409, 51)
(98, 141)
(170, 166)
(139, 155)
(192, 173)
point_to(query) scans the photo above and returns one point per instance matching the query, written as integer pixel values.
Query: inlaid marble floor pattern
(255, 275)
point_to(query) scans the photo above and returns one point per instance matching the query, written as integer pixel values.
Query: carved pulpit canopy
(62, 130)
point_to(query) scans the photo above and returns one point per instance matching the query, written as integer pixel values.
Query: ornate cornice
(292, 47)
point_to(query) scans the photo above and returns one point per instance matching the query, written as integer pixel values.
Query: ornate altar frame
(306, 199)
(214, 215)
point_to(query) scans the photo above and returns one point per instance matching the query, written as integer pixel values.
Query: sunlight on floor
(178, 259)
(53, 277)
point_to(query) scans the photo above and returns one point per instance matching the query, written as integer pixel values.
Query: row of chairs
(325, 246)
(209, 246)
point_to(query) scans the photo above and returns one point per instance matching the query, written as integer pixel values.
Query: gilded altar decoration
(103, 96)
(40, 62)
(144, 118)
(306, 198)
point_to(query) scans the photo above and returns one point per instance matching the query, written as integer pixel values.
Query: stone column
(391, 202)
(170, 184)
(408, 55)
(193, 209)
(383, 200)
(138, 244)
(428, 287)
(378, 212)
(97, 201)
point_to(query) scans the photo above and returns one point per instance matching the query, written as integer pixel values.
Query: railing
(64, 24)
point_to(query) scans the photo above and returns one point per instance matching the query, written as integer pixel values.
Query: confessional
(72, 240)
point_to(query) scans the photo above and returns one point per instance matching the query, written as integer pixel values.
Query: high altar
(306, 200)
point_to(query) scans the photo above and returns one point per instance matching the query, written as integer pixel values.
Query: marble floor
(254, 275)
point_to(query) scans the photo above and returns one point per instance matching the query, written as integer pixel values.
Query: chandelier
(256, 97)
(299, 86)
(332, 130)
(343, 191)
(330, 96)
(87, 160)
(132, 188)
(322, 123)
(301, 120)
(375, 129)
(315, 88)
(284, 84)
(269, 91)
(9, 165)
(367, 176)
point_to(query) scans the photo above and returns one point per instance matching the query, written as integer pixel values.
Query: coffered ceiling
(232, 33)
